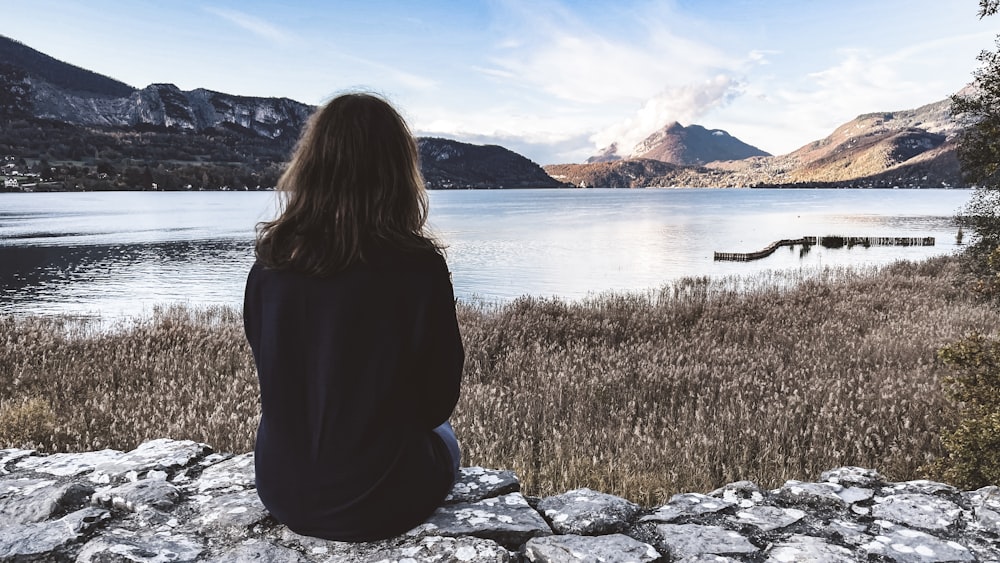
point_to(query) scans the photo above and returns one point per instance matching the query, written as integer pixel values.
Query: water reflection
(116, 280)
(123, 253)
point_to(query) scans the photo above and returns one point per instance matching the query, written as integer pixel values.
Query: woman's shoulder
(428, 259)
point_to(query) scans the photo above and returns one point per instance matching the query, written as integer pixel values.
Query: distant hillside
(906, 148)
(688, 146)
(448, 164)
(66, 128)
(58, 73)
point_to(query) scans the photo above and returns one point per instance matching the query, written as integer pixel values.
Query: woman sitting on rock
(350, 313)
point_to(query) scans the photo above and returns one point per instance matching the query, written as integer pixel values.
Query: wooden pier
(829, 242)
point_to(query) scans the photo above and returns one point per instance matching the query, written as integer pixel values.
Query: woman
(350, 313)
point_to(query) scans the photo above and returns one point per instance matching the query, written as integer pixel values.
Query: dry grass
(703, 383)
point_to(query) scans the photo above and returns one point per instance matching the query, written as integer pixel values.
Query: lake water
(120, 254)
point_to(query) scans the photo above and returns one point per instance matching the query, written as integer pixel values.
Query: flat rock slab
(23, 501)
(106, 466)
(476, 483)
(439, 548)
(259, 551)
(586, 512)
(811, 549)
(685, 540)
(742, 493)
(822, 495)
(232, 474)
(767, 518)
(45, 541)
(919, 486)
(912, 546)
(230, 514)
(612, 548)
(853, 477)
(916, 510)
(140, 547)
(507, 519)
(687, 504)
(139, 496)
(985, 505)
(11, 455)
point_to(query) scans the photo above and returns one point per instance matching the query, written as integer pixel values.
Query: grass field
(641, 395)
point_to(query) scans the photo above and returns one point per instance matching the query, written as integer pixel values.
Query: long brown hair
(353, 181)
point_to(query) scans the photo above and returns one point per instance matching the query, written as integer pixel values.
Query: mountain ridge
(84, 130)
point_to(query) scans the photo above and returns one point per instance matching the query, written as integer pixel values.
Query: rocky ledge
(176, 501)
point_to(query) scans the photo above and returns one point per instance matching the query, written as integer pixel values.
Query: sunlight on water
(123, 253)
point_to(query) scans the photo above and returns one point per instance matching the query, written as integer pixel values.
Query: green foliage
(973, 458)
(979, 153)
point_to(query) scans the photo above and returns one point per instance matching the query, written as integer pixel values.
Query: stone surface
(853, 477)
(178, 501)
(44, 541)
(767, 518)
(140, 547)
(809, 548)
(822, 495)
(476, 483)
(687, 504)
(139, 495)
(610, 548)
(586, 512)
(916, 510)
(26, 500)
(912, 546)
(507, 519)
(684, 540)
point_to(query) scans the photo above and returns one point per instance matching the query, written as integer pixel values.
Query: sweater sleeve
(443, 355)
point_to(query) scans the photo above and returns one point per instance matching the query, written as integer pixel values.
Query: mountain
(452, 164)
(905, 148)
(688, 146)
(75, 129)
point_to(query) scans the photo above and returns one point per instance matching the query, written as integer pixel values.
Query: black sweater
(355, 371)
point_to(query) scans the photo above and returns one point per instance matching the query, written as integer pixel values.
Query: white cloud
(253, 24)
(684, 104)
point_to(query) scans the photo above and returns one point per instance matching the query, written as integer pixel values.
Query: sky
(553, 80)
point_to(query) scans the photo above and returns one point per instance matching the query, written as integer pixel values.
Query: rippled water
(122, 253)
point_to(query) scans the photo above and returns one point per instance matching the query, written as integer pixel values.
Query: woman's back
(355, 370)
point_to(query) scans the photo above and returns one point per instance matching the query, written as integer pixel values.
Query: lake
(121, 253)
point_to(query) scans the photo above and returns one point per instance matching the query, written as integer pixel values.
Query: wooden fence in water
(830, 242)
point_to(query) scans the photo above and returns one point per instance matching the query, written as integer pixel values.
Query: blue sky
(553, 80)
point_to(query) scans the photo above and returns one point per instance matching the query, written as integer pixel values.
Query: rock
(45, 541)
(476, 483)
(231, 514)
(811, 549)
(507, 519)
(767, 518)
(822, 495)
(589, 549)
(587, 512)
(985, 504)
(232, 474)
(11, 455)
(262, 551)
(687, 504)
(684, 540)
(193, 505)
(904, 545)
(140, 547)
(26, 500)
(920, 486)
(439, 548)
(916, 510)
(853, 477)
(742, 493)
(139, 496)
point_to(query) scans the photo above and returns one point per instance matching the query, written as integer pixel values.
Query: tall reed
(643, 395)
